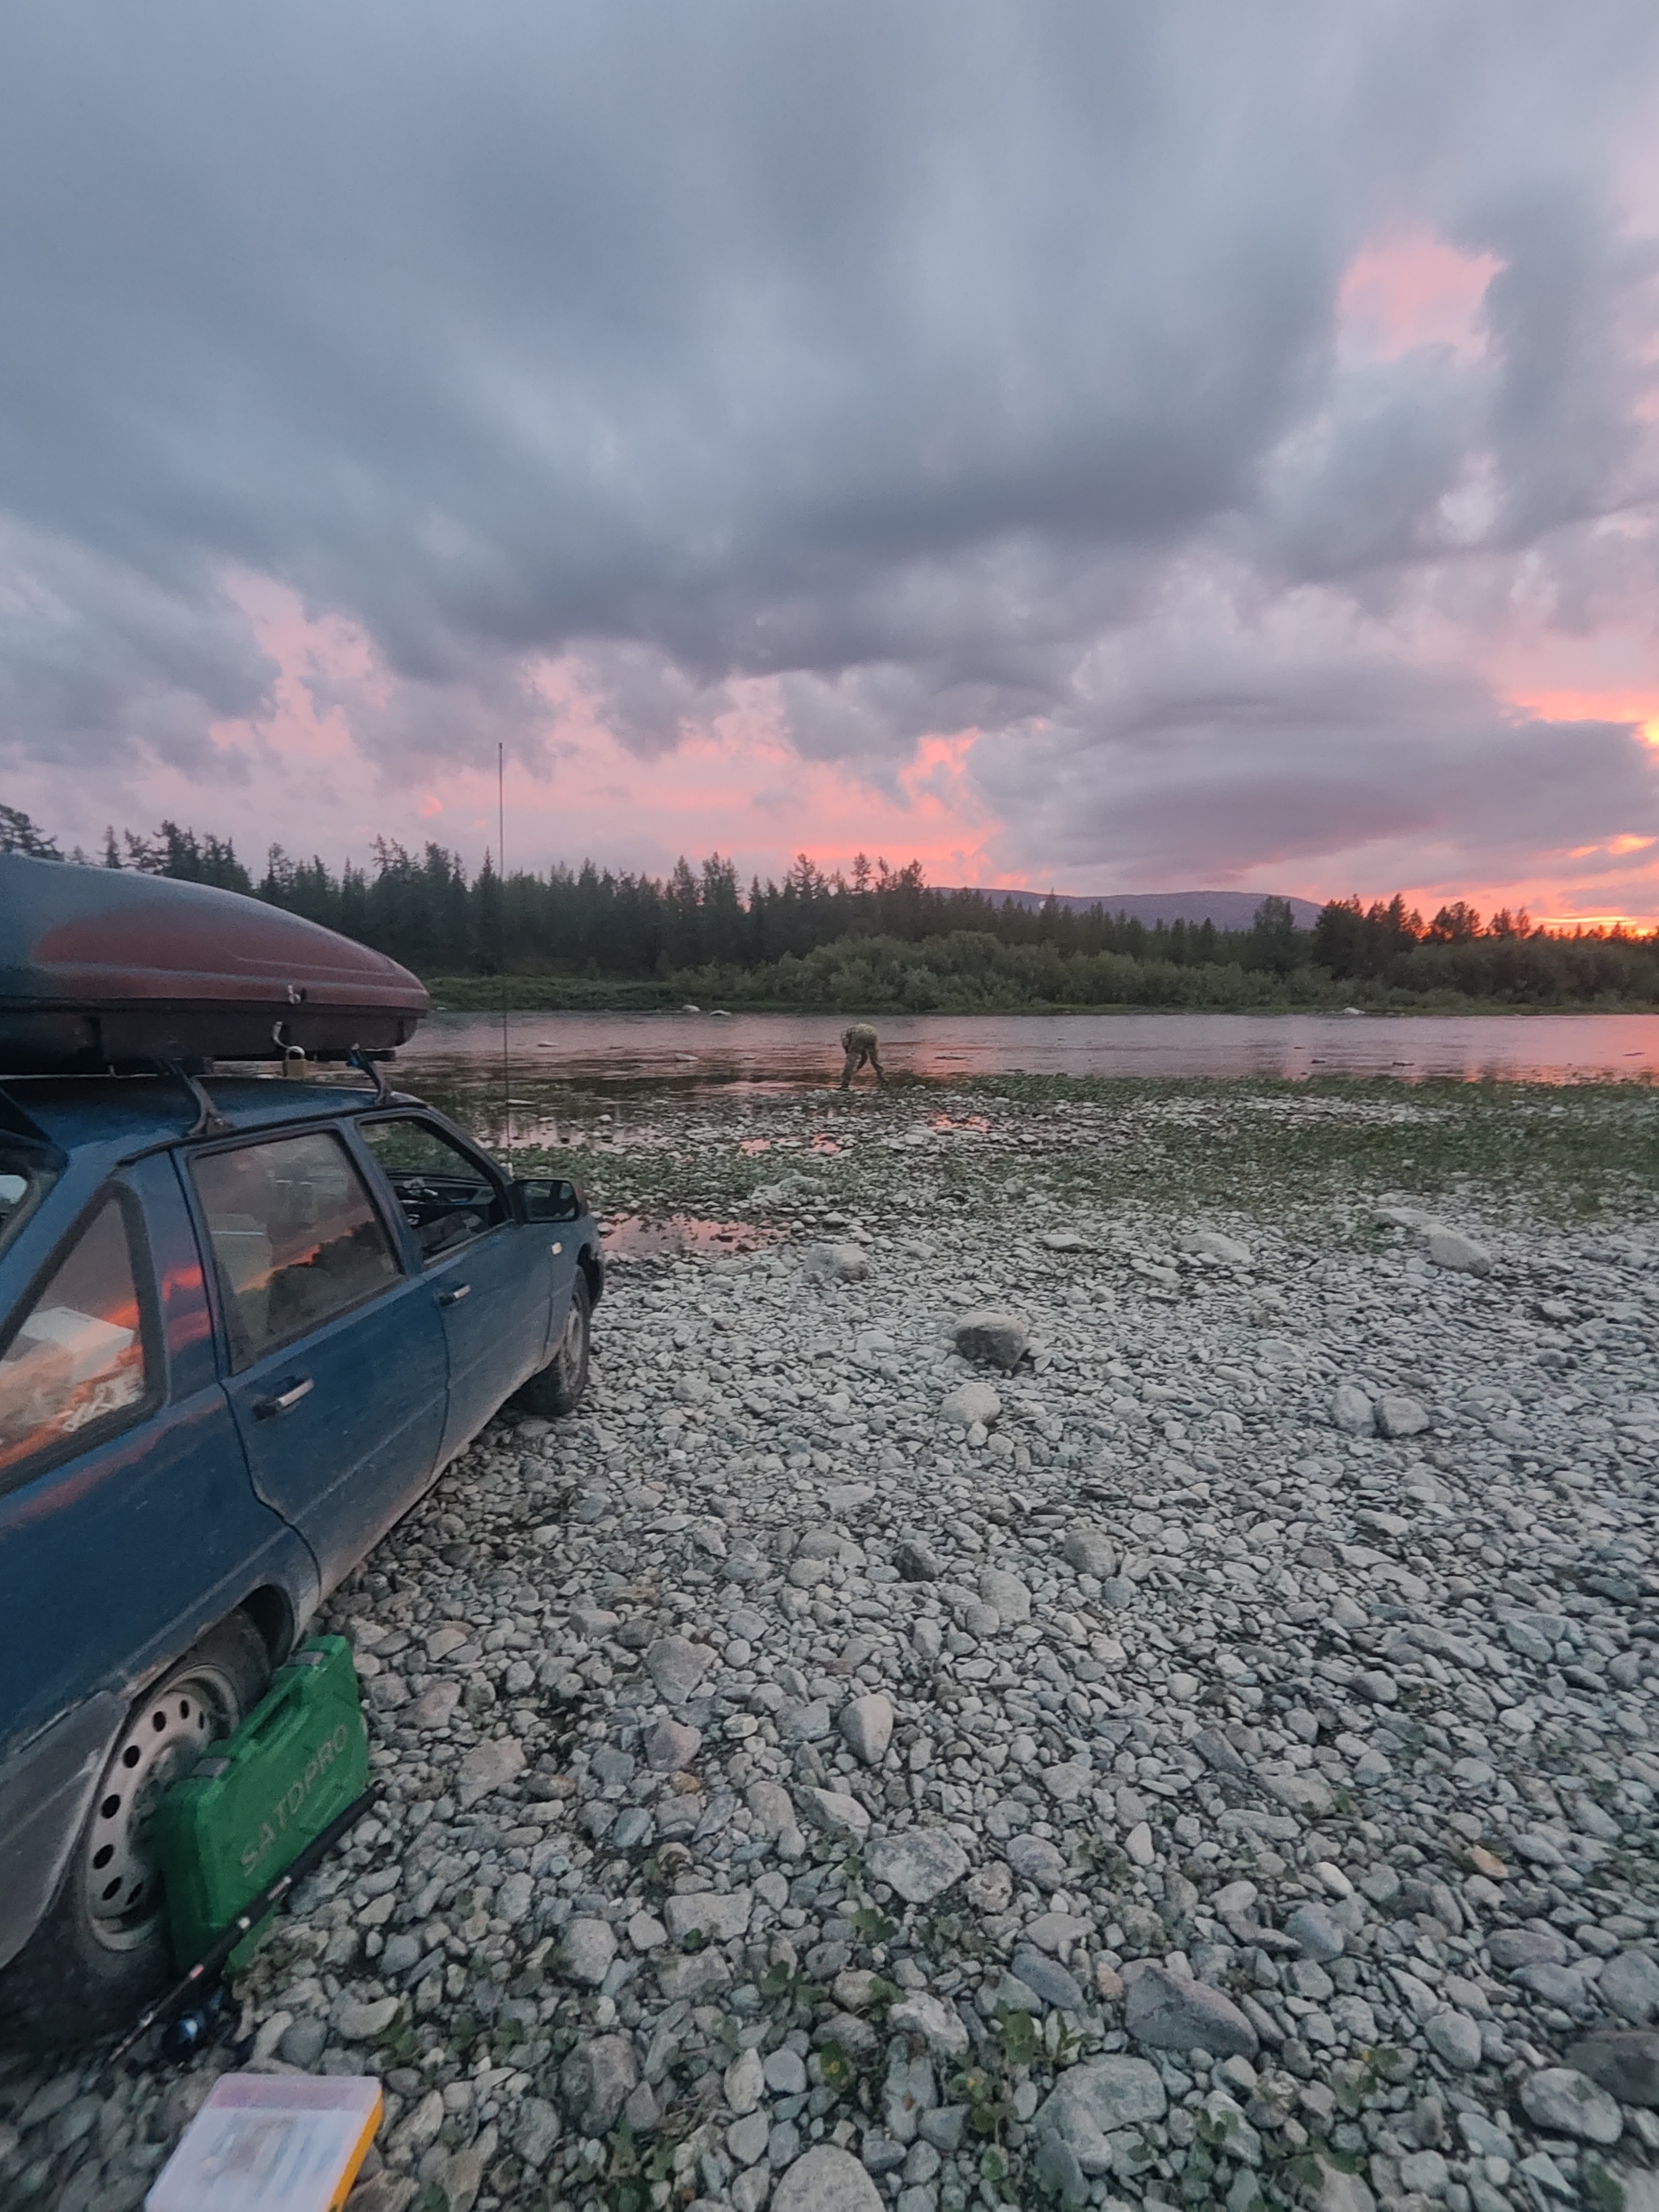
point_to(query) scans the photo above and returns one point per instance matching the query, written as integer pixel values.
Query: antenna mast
(500, 912)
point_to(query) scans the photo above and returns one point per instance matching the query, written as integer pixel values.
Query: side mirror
(549, 1198)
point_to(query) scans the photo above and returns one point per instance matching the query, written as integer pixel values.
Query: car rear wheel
(559, 1387)
(103, 1948)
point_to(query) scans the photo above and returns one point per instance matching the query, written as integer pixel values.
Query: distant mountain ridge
(1226, 909)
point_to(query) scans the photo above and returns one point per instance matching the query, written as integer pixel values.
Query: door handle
(453, 1297)
(266, 1409)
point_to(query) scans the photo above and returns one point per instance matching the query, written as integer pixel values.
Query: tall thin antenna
(500, 911)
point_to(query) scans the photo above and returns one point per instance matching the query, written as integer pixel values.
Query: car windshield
(24, 1178)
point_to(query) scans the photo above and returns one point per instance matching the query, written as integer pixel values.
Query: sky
(1079, 445)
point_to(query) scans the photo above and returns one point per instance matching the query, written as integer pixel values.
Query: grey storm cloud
(1283, 764)
(903, 354)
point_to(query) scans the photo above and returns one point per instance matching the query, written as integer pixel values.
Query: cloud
(99, 661)
(1185, 410)
(1389, 775)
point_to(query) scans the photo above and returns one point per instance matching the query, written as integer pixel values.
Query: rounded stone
(303, 2043)
(1313, 1928)
(921, 1864)
(1567, 2103)
(1455, 2038)
(867, 1727)
(827, 2180)
(1091, 1551)
(969, 1402)
(363, 2023)
(589, 1948)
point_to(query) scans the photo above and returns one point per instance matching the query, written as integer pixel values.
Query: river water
(627, 1052)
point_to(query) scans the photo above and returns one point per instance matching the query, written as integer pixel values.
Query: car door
(490, 1274)
(127, 1522)
(335, 1352)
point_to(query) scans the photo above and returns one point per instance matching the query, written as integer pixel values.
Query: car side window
(295, 1238)
(76, 1364)
(447, 1195)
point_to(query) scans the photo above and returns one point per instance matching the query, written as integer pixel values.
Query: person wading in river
(859, 1045)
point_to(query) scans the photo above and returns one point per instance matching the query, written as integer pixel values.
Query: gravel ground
(1002, 1698)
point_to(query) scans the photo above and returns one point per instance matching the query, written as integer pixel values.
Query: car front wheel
(103, 1948)
(559, 1387)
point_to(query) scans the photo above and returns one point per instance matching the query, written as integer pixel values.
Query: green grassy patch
(1059, 1147)
(1256, 1144)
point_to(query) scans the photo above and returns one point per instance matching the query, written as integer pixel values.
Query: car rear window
(75, 1367)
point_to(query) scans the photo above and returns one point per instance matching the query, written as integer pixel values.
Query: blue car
(245, 1324)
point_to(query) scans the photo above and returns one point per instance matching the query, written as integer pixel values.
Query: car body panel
(95, 1539)
(135, 1538)
(494, 1294)
(349, 1458)
(499, 1326)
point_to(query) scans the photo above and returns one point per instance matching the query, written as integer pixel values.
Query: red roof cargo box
(103, 967)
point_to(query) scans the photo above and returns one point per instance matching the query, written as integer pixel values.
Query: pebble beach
(1048, 1668)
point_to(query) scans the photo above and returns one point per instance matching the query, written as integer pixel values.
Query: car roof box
(105, 967)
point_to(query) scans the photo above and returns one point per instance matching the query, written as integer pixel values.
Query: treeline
(972, 971)
(425, 910)
(1509, 958)
(876, 938)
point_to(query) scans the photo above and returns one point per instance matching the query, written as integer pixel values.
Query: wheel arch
(270, 1609)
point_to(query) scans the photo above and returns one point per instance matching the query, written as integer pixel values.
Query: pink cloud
(327, 767)
(1410, 290)
(303, 776)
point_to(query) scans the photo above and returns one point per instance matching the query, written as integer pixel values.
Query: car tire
(103, 1948)
(559, 1387)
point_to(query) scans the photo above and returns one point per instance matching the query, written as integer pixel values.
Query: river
(628, 1053)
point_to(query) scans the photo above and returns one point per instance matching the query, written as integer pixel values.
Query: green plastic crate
(254, 1802)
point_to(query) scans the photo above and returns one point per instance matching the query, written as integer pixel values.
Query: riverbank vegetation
(878, 939)
(1260, 1145)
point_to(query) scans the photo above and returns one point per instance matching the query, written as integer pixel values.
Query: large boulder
(1629, 1985)
(676, 1666)
(1215, 1244)
(834, 1263)
(998, 1339)
(1089, 1550)
(1010, 1595)
(867, 1727)
(1449, 1248)
(1352, 1409)
(1400, 1415)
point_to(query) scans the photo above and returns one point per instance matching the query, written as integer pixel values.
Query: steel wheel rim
(570, 1345)
(121, 1882)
